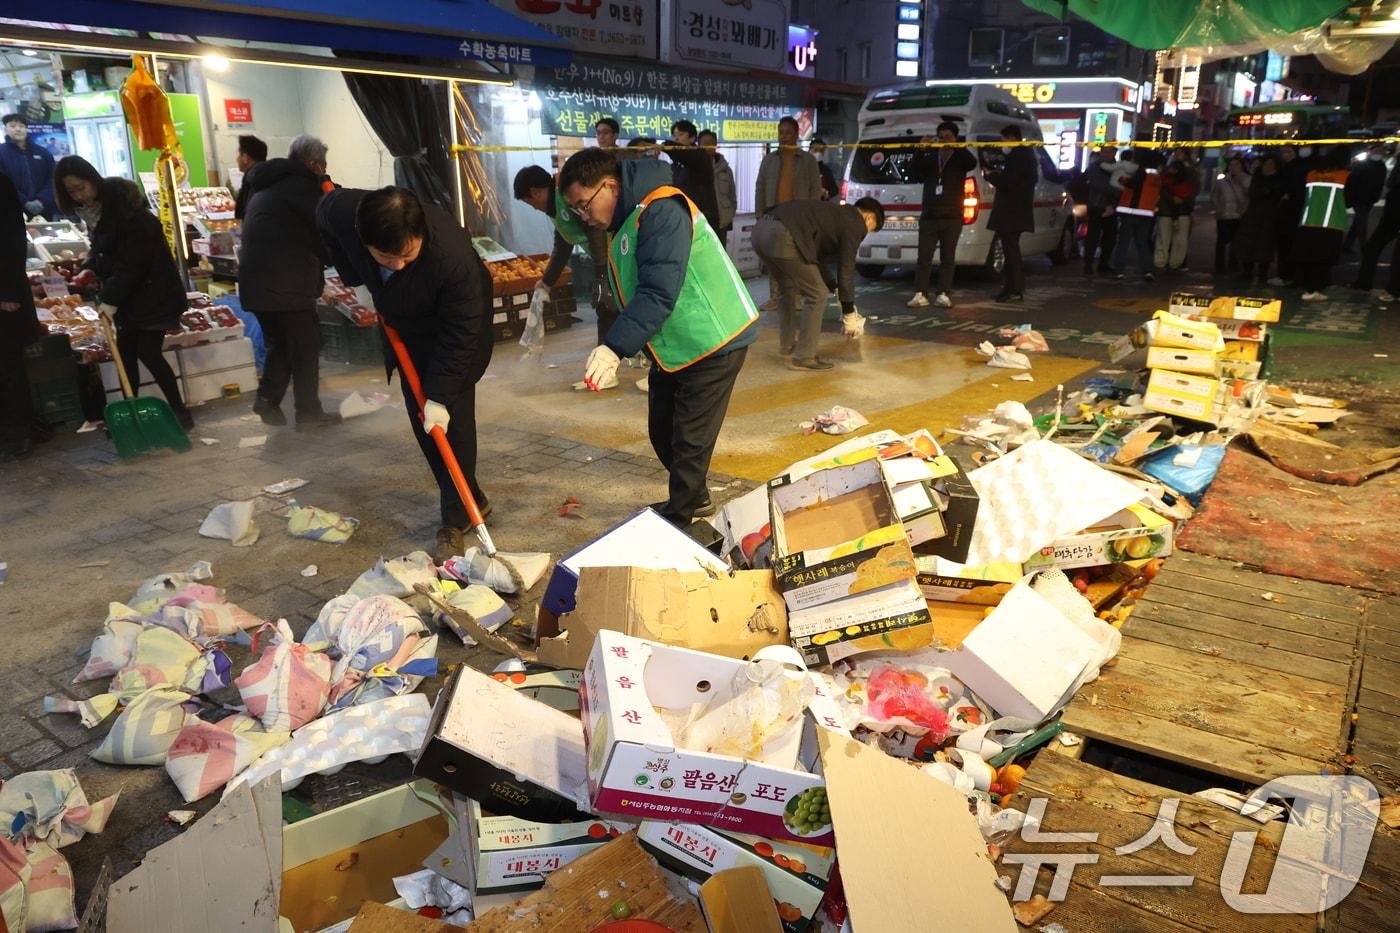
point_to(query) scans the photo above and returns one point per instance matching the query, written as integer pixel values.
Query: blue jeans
(1134, 236)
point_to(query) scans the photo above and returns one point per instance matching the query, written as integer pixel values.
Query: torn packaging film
(515, 755)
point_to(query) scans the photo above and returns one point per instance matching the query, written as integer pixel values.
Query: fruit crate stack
(512, 281)
(53, 381)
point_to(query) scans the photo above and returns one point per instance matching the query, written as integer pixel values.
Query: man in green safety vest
(536, 187)
(680, 298)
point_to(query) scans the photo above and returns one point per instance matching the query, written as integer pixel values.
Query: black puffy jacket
(133, 261)
(440, 303)
(281, 261)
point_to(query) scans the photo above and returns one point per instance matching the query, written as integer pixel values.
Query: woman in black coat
(19, 327)
(1013, 211)
(1257, 237)
(140, 284)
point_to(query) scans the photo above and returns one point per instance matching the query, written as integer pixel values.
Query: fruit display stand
(53, 381)
(512, 281)
(57, 240)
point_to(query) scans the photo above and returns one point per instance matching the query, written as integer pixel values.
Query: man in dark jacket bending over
(680, 298)
(795, 239)
(430, 285)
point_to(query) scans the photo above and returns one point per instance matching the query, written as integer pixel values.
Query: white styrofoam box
(213, 357)
(206, 387)
(112, 384)
(1024, 657)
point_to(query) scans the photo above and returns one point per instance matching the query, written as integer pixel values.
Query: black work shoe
(268, 412)
(185, 417)
(812, 364)
(449, 544)
(703, 510)
(19, 450)
(318, 419)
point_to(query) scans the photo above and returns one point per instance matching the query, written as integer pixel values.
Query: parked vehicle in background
(887, 166)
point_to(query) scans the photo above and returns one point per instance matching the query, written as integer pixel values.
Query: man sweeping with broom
(432, 289)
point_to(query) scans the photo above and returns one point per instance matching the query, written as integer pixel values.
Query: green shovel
(138, 425)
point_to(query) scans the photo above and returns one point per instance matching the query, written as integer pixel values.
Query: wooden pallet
(1082, 798)
(1215, 676)
(1376, 742)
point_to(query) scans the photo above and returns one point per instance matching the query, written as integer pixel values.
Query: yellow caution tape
(461, 148)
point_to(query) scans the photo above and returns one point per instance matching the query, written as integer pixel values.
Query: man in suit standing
(1013, 211)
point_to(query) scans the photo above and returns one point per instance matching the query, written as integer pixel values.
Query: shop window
(1051, 46)
(984, 48)
(864, 48)
(841, 74)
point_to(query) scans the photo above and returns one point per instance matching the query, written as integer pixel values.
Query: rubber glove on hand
(601, 368)
(852, 325)
(107, 311)
(435, 416)
(539, 293)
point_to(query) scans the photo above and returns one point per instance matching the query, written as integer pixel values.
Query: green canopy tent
(1214, 29)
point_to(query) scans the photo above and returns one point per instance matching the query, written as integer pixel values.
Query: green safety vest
(566, 221)
(1325, 206)
(713, 306)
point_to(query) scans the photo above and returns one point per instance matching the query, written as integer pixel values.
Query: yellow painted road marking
(935, 414)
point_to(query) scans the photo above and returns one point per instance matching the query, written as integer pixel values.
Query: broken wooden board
(1319, 460)
(376, 918)
(1081, 798)
(1375, 901)
(1214, 677)
(1376, 739)
(1257, 514)
(581, 895)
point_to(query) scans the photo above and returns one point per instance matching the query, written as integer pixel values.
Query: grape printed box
(636, 771)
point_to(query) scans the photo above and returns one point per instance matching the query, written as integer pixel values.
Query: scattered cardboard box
(227, 865)
(1243, 351)
(1172, 393)
(645, 540)
(515, 755)
(1136, 533)
(508, 854)
(335, 861)
(944, 580)
(796, 872)
(1171, 330)
(737, 900)
(836, 533)
(636, 770)
(960, 503)
(727, 615)
(548, 685)
(583, 895)
(1183, 303)
(919, 509)
(1206, 362)
(825, 633)
(1024, 657)
(902, 831)
(1255, 309)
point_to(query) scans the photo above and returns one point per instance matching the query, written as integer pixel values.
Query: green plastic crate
(53, 381)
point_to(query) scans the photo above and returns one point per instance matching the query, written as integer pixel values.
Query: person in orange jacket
(1137, 206)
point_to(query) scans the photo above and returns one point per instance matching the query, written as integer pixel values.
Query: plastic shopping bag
(533, 337)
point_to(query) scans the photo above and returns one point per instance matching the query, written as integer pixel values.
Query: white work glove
(107, 311)
(539, 293)
(852, 325)
(601, 368)
(435, 416)
(34, 207)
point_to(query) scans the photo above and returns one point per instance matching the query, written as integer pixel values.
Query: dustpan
(139, 425)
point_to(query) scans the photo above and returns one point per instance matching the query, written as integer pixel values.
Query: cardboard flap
(737, 900)
(733, 616)
(226, 867)
(914, 830)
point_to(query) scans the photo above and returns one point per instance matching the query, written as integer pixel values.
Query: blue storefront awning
(444, 30)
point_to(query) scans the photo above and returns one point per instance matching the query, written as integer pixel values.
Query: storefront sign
(802, 51)
(1107, 93)
(238, 111)
(646, 100)
(614, 27)
(717, 32)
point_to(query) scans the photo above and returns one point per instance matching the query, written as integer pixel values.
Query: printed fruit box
(637, 771)
(796, 872)
(511, 854)
(836, 533)
(1136, 533)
